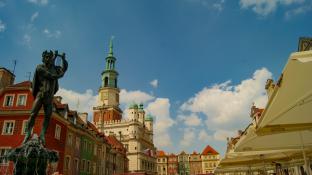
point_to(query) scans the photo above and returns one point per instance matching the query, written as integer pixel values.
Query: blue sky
(210, 58)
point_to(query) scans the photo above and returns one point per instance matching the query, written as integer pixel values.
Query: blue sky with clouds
(198, 65)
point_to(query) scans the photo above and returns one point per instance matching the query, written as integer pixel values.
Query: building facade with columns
(136, 132)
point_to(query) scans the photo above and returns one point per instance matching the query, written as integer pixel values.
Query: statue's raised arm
(61, 69)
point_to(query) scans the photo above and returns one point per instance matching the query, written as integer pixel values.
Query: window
(70, 139)
(95, 149)
(57, 133)
(67, 162)
(88, 167)
(85, 145)
(21, 100)
(76, 165)
(8, 127)
(3, 152)
(83, 164)
(24, 127)
(77, 143)
(8, 100)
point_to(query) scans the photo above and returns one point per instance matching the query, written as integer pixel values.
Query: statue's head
(48, 57)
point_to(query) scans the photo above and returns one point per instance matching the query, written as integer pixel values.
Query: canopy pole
(306, 166)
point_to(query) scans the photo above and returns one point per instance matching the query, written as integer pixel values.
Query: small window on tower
(105, 81)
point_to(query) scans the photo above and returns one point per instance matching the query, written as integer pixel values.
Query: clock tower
(108, 108)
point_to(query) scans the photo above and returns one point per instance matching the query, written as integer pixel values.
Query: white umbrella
(290, 106)
(250, 141)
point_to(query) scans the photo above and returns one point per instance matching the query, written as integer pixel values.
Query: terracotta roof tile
(112, 140)
(209, 150)
(161, 153)
(194, 153)
(172, 155)
(21, 84)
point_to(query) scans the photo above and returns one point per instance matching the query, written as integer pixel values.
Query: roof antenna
(14, 65)
(28, 74)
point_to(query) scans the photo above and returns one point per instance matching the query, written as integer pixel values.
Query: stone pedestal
(32, 158)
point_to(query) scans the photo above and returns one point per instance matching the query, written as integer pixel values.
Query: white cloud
(50, 34)
(210, 4)
(221, 135)
(227, 106)
(160, 108)
(82, 102)
(203, 136)
(39, 2)
(218, 5)
(190, 120)
(299, 10)
(2, 26)
(188, 137)
(34, 16)
(265, 7)
(26, 40)
(154, 83)
(137, 96)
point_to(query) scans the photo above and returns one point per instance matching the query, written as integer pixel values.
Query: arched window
(115, 82)
(105, 81)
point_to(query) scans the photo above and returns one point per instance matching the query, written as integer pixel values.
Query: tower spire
(111, 46)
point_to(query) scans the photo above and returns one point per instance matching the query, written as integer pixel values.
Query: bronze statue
(44, 86)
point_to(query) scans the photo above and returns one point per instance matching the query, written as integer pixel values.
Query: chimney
(6, 77)
(58, 99)
(83, 116)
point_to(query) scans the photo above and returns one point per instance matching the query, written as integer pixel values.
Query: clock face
(104, 95)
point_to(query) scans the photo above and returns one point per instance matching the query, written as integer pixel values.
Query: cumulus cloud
(188, 137)
(227, 106)
(297, 11)
(211, 4)
(218, 5)
(190, 120)
(50, 34)
(265, 7)
(34, 16)
(154, 83)
(26, 40)
(2, 26)
(203, 136)
(39, 2)
(82, 102)
(160, 108)
(221, 135)
(137, 96)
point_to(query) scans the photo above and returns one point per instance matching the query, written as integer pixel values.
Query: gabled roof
(161, 153)
(194, 153)
(182, 153)
(209, 150)
(22, 84)
(172, 155)
(112, 140)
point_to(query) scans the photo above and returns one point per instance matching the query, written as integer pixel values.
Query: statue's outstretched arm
(62, 69)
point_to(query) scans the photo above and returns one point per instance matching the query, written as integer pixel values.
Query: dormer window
(8, 100)
(21, 100)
